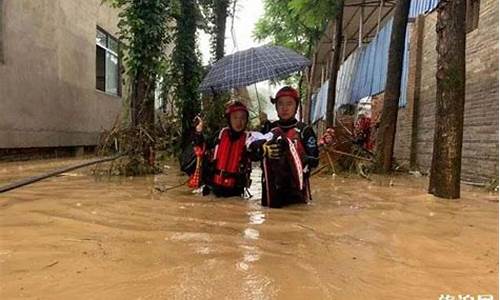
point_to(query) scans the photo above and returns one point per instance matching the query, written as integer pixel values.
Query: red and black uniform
(286, 176)
(286, 180)
(227, 165)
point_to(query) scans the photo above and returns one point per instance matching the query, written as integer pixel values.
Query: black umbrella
(246, 67)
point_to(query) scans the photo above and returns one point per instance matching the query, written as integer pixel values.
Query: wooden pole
(311, 87)
(379, 15)
(344, 46)
(332, 90)
(360, 27)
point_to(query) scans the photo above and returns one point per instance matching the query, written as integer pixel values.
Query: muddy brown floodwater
(75, 237)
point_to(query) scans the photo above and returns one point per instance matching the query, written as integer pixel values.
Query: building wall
(47, 80)
(480, 144)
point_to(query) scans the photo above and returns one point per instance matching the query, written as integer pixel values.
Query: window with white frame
(107, 64)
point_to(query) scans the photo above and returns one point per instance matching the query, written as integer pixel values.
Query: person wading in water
(225, 162)
(288, 152)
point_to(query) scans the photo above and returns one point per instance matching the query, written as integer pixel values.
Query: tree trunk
(138, 94)
(221, 7)
(388, 120)
(143, 114)
(142, 102)
(185, 54)
(450, 97)
(214, 111)
(332, 91)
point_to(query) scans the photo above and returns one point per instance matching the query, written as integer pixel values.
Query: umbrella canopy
(246, 67)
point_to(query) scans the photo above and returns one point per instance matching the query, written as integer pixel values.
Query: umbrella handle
(258, 99)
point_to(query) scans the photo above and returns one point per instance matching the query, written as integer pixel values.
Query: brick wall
(403, 139)
(480, 144)
(407, 117)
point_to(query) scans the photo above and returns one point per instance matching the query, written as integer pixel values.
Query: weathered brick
(480, 144)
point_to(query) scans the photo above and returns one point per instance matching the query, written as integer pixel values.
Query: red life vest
(227, 155)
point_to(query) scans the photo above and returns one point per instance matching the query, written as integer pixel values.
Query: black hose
(30, 180)
(160, 189)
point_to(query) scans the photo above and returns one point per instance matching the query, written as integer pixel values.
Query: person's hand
(199, 124)
(272, 150)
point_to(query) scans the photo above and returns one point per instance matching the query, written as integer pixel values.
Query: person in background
(265, 124)
(362, 132)
(328, 137)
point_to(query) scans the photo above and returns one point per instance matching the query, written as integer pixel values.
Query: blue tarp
(382, 42)
(318, 107)
(345, 79)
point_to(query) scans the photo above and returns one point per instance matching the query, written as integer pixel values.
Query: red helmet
(286, 91)
(233, 106)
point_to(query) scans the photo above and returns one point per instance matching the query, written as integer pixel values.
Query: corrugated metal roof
(418, 7)
(364, 72)
(367, 69)
(370, 72)
(353, 11)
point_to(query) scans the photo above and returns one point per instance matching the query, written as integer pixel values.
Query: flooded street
(75, 237)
